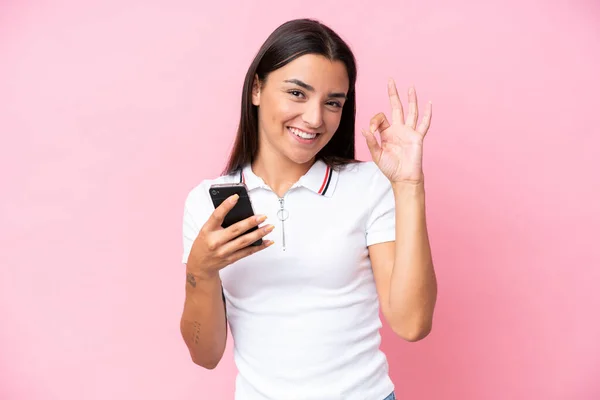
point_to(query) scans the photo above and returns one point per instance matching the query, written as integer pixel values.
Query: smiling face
(300, 107)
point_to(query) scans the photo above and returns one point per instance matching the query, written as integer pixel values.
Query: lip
(302, 140)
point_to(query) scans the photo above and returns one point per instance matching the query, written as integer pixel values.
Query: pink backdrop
(111, 111)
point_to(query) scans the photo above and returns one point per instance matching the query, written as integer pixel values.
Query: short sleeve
(381, 221)
(197, 209)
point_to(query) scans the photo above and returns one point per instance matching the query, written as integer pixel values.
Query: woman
(342, 237)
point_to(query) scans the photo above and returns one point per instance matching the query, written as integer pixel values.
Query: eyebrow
(312, 89)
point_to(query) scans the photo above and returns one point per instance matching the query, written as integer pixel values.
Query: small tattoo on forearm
(196, 332)
(191, 280)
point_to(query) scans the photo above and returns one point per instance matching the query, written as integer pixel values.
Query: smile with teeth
(302, 134)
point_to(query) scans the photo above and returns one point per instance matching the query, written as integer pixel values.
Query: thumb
(372, 144)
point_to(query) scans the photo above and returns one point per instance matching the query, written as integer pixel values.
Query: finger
(413, 113)
(426, 120)
(245, 240)
(372, 144)
(247, 251)
(378, 123)
(397, 110)
(239, 228)
(218, 216)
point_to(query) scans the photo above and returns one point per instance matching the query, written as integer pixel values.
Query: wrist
(408, 186)
(196, 277)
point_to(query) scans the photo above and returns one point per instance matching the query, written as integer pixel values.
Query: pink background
(111, 111)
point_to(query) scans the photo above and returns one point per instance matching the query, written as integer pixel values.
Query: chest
(319, 244)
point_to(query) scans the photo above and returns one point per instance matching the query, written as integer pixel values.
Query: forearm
(203, 322)
(413, 290)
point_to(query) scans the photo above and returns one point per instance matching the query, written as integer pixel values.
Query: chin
(302, 153)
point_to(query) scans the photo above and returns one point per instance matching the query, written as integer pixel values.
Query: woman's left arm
(403, 269)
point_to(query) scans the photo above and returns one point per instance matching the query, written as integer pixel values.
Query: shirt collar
(320, 178)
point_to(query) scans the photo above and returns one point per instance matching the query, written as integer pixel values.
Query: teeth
(301, 134)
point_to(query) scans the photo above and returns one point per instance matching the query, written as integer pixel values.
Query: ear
(256, 91)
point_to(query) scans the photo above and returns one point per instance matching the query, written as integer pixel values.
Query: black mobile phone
(242, 209)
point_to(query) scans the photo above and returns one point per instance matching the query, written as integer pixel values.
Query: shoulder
(362, 174)
(359, 168)
(198, 196)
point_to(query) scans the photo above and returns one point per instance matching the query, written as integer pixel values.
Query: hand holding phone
(240, 211)
(227, 236)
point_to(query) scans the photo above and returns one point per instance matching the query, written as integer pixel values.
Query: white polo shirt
(305, 318)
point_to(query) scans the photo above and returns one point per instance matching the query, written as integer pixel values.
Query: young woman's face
(300, 106)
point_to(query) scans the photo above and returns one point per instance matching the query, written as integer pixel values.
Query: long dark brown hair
(288, 42)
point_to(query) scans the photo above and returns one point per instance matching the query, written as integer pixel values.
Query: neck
(278, 171)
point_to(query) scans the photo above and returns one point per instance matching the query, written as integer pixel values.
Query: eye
(296, 93)
(336, 104)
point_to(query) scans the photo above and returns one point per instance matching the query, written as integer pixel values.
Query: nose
(313, 115)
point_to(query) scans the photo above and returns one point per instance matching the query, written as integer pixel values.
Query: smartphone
(242, 209)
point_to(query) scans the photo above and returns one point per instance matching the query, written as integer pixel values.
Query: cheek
(332, 121)
(271, 107)
(284, 111)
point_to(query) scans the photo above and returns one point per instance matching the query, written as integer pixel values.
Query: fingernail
(269, 242)
(234, 198)
(269, 228)
(373, 128)
(260, 218)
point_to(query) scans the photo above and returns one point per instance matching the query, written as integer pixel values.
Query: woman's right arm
(203, 321)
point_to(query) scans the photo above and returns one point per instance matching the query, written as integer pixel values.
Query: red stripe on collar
(325, 180)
